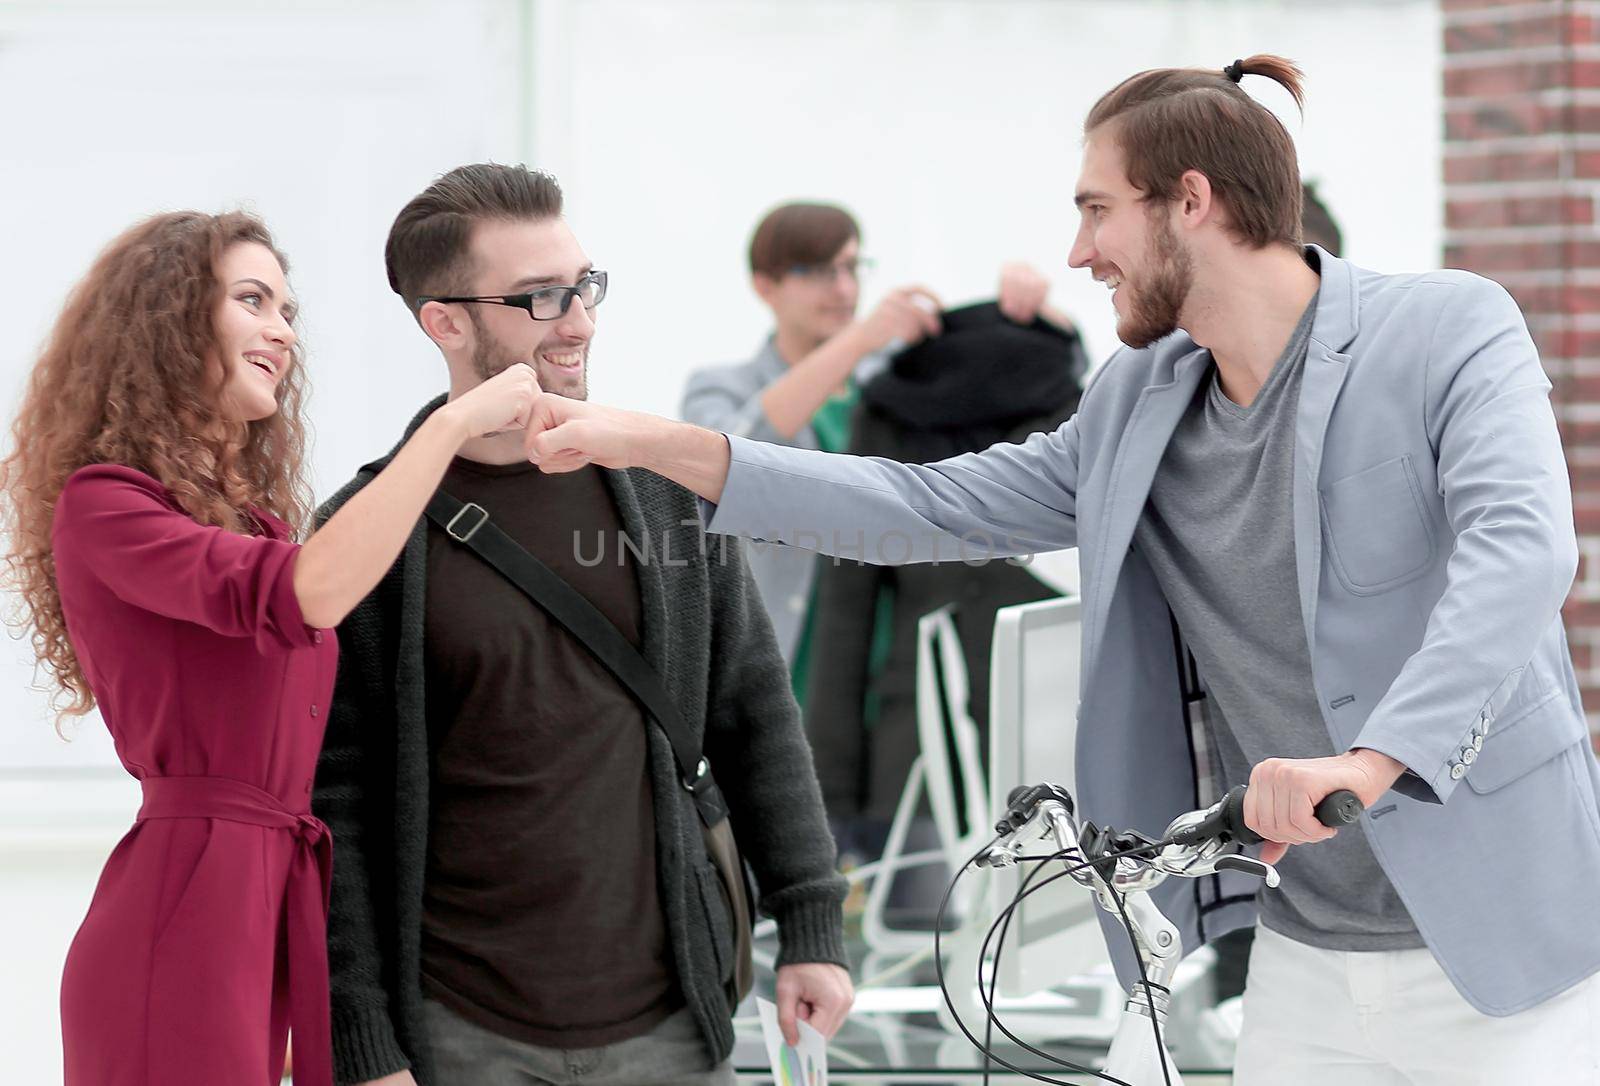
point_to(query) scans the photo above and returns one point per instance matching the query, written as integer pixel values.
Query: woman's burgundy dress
(205, 940)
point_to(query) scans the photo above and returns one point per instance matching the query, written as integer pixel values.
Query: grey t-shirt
(1218, 531)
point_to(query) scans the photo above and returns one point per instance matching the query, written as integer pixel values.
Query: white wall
(323, 123)
(952, 129)
(950, 126)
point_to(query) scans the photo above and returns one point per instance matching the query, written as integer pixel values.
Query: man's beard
(1155, 303)
(489, 358)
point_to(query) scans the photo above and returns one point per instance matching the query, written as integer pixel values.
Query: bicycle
(1120, 868)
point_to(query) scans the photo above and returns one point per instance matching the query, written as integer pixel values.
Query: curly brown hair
(129, 376)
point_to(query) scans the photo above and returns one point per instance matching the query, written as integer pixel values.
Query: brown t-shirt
(541, 917)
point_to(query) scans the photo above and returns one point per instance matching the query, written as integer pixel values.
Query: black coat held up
(983, 380)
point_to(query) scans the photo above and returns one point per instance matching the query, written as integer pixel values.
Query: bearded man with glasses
(522, 890)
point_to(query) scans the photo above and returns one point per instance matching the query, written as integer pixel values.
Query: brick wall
(1522, 193)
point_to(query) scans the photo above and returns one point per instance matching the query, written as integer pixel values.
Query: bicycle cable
(1003, 923)
(1024, 891)
(944, 990)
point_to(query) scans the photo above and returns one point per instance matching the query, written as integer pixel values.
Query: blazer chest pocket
(1377, 528)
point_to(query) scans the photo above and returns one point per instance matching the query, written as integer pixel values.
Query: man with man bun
(1346, 492)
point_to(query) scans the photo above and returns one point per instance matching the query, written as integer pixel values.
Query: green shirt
(831, 423)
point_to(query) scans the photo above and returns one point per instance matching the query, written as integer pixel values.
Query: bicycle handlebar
(1195, 844)
(1119, 868)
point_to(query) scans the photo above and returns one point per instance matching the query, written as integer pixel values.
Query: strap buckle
(701, 771)
(483, 518)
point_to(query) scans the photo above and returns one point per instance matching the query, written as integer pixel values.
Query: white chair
(944, 725)
(944, 721)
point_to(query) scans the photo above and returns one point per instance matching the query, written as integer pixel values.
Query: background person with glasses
(800, 387)
(522, 885)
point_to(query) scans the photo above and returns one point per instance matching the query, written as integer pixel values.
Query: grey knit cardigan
(706, 633)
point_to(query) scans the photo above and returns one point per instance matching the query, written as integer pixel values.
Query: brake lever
(1039, 812)
(1249, 865)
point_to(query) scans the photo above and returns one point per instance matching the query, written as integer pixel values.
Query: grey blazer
(1434, 546)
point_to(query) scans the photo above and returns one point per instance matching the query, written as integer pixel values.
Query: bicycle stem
(1159, 944)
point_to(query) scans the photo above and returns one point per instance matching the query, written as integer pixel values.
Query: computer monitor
(1032, 730)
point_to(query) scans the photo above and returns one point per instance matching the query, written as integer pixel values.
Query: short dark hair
(795, 234)
(1171, 120)
(428, 247)
(1317, 223)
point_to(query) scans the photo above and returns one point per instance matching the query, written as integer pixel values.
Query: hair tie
(1234, 71)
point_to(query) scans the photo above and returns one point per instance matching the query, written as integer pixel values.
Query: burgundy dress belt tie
(310, 872)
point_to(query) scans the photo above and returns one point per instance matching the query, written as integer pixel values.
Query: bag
(469, 525)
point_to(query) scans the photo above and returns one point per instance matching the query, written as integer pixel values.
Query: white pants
(1317, 1017)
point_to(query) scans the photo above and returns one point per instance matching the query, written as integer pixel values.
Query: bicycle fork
(1132, 1057)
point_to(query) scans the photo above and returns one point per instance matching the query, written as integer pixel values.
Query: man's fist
(1281, 802)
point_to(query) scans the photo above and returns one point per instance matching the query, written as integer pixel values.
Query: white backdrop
(951, 127)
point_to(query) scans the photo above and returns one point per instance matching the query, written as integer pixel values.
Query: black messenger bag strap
(469, 524)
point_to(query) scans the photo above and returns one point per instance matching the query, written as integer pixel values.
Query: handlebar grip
(1337, 809)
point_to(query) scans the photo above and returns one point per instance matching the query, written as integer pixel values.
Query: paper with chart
(805, 1064)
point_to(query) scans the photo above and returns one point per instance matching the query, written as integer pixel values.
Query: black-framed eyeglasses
(544, 304)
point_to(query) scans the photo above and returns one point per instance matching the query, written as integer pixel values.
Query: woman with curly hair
(153, 501)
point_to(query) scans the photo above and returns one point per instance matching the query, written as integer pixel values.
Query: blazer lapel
(1332, 328)
(1139, 451)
